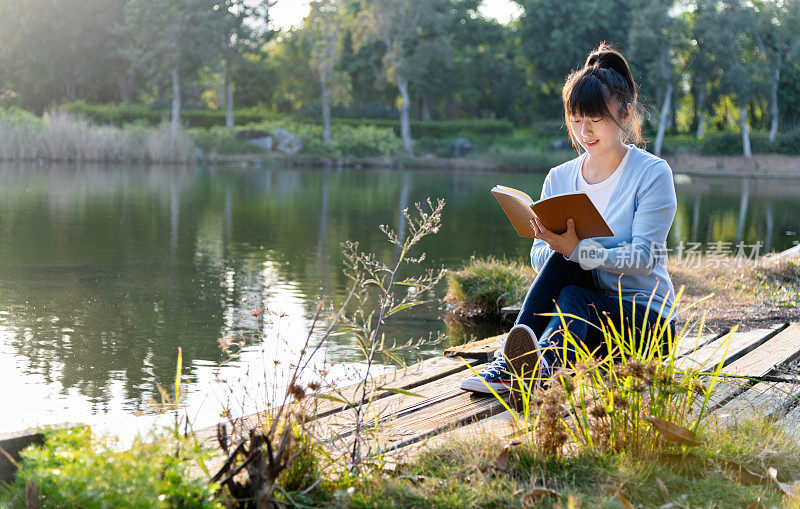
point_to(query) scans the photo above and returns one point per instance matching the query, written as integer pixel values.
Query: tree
(395, 23)
(706, 42)
(322, 29)
(741, 66)
(653, 42)
(51, 50)
(168, 36)
(556, 36)
(776, 33)
(244, 30)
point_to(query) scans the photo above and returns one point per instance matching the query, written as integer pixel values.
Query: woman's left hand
(564, 243)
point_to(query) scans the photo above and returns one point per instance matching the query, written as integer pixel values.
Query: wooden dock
(431, 407)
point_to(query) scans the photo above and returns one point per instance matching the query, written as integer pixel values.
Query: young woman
(634, 192)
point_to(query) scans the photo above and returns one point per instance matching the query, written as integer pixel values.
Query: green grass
(464, 473)
(482, 286)
(74, 469)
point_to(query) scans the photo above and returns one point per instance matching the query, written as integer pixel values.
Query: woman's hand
(564, 244)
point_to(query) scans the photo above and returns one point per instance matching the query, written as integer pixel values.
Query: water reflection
(106, 271)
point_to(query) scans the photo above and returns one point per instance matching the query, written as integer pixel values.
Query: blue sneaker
(496, 375)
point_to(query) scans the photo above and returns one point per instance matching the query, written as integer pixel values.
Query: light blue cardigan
(640, 213)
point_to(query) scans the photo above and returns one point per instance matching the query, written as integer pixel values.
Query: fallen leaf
(501, 461)
(531, 499)
(754, 505)
(745, 476)
(673, 432)
(788, 488)
(662, 489)
(623, 499)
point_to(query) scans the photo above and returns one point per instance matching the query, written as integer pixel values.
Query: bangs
(587, 98)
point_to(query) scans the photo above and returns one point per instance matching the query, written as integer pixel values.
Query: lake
(106, 271)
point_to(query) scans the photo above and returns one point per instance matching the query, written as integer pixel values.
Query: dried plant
(381, 291)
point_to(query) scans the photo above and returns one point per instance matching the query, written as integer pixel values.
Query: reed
(64, 137)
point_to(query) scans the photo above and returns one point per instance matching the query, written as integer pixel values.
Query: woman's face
(596, 134)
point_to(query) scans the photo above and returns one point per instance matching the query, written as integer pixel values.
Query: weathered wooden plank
(791, 422)
(480, 349)
(764, 398)
(502, 426)
(462, 409)
(407, 378)
(388, 409)
(780, 349)
(728, 346)
(689, 343)
(408, 428)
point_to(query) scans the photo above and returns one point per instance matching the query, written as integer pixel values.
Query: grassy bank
(113, 133)
(764, 291)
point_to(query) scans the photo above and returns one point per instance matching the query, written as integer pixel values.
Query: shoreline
(682, 163)
(773, 166)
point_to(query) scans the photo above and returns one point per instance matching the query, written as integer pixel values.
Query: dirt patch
(760, 165)
(752, 294)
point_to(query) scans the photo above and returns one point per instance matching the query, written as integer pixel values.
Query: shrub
(485, 285)
(73, 469)
(120, 115)
(730, 143)
(528, 158)
(365, 140)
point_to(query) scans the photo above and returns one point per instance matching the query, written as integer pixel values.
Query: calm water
(106, 271)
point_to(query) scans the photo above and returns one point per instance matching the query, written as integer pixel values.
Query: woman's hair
(604, 82)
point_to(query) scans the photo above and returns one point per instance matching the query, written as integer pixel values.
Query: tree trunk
(701, 105)
(228, 95)
(71, 90)
(745, 133)
(662, 120)
(125, 87)
(426, 109)
(326, 109)
(776, 77)
(176, 100)
(405, 123)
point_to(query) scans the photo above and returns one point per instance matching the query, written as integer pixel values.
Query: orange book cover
(553, 212)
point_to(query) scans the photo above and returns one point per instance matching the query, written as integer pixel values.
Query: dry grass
(59, 136)
(750, 294)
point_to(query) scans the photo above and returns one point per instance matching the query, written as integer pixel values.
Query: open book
(553, 212)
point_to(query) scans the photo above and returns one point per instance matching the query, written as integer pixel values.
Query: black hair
(604, 82)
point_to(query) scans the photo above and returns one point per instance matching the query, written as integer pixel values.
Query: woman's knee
(572, 295)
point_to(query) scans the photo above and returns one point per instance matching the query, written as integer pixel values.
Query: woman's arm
(654, 212)
(540, 251)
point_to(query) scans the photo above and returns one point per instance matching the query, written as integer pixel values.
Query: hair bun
(606, 56)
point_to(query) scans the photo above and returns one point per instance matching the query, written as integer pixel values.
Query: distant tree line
(702, 64)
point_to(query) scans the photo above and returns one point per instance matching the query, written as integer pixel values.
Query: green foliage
(120, 115)
(488, 284)
(74, 469)
(530, 159)
(439, 129)
(221, 140)
(730, 143)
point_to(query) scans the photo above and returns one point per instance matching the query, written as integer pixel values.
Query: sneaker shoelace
(498, 367)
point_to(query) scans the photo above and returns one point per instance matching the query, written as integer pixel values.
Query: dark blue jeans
(565, 283)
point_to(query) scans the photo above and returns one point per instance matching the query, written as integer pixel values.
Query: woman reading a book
(634, 192)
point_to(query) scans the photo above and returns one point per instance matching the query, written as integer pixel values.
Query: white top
(601, 192)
